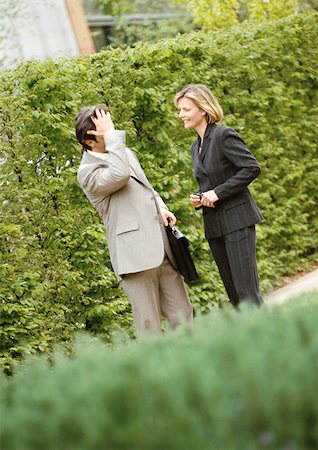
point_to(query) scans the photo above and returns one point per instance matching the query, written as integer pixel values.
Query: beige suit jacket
(128, 206)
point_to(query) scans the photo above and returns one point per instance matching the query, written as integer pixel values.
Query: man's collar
(103, 156)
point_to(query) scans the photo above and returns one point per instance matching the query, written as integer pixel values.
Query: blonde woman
(223, 168)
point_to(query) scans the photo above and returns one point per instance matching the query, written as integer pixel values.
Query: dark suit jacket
(227, 166)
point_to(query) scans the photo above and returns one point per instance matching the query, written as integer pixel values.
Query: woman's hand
(209, 198)
(195, 200)
(103, 123)
(167, 215)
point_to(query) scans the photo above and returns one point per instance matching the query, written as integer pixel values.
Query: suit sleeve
(238, 154)
(160, 202)
(103, 179)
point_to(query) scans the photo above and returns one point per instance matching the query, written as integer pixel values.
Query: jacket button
(156, 218)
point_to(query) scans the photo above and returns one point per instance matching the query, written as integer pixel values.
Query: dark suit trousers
(235, 256)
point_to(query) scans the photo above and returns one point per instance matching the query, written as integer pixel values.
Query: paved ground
(308, 282)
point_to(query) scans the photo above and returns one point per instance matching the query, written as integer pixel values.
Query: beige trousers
(157, 293)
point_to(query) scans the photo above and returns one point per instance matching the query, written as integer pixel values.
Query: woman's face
(190, 114)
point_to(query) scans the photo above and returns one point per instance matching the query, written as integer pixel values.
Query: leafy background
(55, 273)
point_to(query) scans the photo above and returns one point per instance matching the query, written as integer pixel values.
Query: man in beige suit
(134, 217)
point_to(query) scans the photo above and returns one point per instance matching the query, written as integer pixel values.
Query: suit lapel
(197, 158)
(205, 148)
(206, 145)
(138, 173)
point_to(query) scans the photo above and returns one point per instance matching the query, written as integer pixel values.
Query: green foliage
(55, 273)
(237, 380)
(214, 14)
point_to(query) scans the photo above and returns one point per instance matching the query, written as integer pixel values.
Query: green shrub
(237, 380)
(55, 274)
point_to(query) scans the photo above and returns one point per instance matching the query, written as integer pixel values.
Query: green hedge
(54, 268)
(238, 380)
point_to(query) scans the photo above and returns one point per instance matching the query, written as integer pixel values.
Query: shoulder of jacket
(224, 131)
(132, 152)
(87, 166)
(83, 170)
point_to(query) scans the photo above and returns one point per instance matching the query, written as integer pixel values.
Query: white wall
(34, 29)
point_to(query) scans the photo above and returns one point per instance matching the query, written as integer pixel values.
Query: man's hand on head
(103, 123)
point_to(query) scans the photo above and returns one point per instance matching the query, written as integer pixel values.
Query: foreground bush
(238, 380)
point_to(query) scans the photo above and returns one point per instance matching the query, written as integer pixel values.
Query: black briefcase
(180, 249)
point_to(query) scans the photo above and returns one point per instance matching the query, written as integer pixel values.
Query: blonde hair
(203, 98)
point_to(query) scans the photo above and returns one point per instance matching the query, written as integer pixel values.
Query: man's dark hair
(84, 123)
